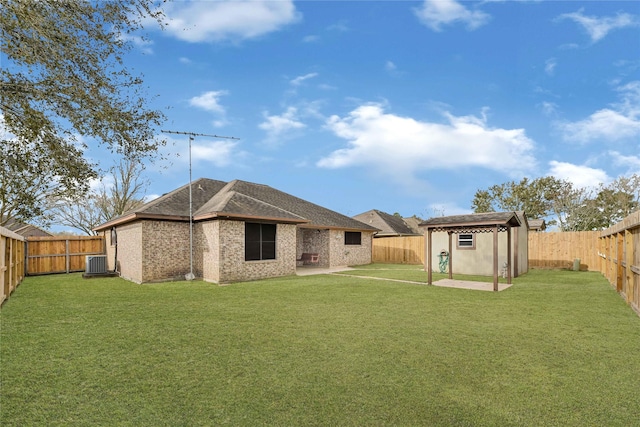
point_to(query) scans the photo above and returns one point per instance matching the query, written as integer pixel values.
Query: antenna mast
(192, 136)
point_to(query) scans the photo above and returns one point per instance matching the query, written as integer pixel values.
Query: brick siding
(342, 254)
(151, 251)
(129, 251)
(233, 267)
(165, 251)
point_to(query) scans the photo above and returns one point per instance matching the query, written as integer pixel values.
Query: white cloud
(550, 66)
(310, 39)
(597, 27)
(402, 146)
(609, 124)
(300, 79)
(218, 153)
(340, 27)
(214, 21)
(548, 108)
(184, 60)
(390, 66)
(280, 127)
(579, 176)
(436, 13)
(141, 43)
(209, 101)
(632, 162)
(605, 124)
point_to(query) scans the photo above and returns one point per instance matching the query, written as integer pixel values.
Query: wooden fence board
(11, 262)
(560, 249)
(620, 258)
(46, 255)
(399, 250)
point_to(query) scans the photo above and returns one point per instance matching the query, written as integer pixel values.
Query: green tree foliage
(31, 177)
(571, 209)
(63, 77)
(534, 197)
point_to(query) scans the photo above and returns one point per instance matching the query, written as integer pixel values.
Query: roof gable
(236, 205)
(176, 202)
(388, 224)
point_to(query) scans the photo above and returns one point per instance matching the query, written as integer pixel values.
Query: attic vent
(96, 264)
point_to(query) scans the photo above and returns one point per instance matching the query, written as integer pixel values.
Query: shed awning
(473, 223)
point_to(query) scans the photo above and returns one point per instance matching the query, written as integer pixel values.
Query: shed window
(466, 241)
(259, 241)
(352, 238)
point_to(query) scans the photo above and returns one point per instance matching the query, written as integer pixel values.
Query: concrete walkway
(310, 271)
(467, 284)
(446, 283)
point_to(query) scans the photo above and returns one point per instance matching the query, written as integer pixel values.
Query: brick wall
(234, 268)
(313, 241)
(342, 254)
(208, 249)
(129, 251)
(165, 251)
(159, 250)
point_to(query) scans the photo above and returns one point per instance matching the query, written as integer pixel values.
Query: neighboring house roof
(413, 222)
(25, 230)
(474, 221)
(237, 200)
(389, 225)
(537, 224)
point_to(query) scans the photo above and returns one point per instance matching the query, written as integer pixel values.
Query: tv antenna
(192, 136)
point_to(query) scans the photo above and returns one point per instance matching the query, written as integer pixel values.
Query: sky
(401, 106)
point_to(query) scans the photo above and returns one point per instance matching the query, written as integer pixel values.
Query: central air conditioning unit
(96, 264)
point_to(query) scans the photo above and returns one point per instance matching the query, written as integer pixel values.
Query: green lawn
(558, 348)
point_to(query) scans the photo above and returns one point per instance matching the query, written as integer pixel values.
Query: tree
(603, 207)
(31, 179)
(63, 77)
(573, 209)
(534, 197)
(118, 193)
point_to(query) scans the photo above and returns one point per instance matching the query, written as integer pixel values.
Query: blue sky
(401, 106)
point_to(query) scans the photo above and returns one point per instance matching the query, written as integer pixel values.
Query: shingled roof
(25, 230)
(389, 225)
(238, 200)
(473, 222)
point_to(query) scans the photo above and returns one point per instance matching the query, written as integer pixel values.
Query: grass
(557, 348)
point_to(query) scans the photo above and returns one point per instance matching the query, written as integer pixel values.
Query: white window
(466, 241)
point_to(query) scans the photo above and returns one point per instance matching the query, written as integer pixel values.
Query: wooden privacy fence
(561, 249)
(546, 250)
(11, 262)
(46, 255)
(399, 250)
(619, 250)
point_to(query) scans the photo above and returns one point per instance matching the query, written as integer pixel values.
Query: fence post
(67, 255)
